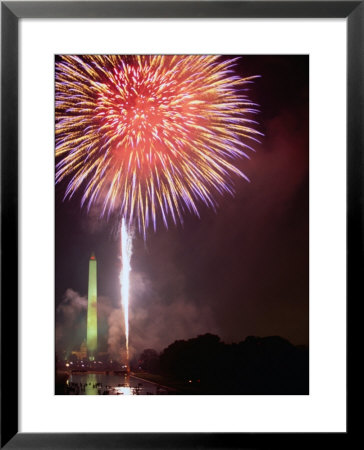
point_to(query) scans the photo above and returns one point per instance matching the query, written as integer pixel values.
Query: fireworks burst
(150, 136)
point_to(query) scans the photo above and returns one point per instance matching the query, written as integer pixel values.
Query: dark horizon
(242, 271)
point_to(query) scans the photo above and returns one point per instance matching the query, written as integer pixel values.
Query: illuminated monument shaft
(92, 309)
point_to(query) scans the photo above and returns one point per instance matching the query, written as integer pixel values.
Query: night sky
(240, 271)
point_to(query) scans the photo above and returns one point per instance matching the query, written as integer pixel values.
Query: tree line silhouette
(257, 365)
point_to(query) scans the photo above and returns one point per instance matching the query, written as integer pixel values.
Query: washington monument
(92, 309)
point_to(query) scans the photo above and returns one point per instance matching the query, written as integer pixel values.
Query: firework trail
(126, 252)
(150, 137)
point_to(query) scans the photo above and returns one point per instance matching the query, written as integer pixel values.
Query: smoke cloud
(157, 321)
(71, 316)
(116, 333)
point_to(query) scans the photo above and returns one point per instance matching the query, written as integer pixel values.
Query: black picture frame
(11, 12)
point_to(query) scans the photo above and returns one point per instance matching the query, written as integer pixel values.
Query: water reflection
(91, 387)
(126, 390)
(105, 384)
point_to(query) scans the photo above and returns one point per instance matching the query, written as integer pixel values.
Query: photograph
(181, 224)
(181, 211)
